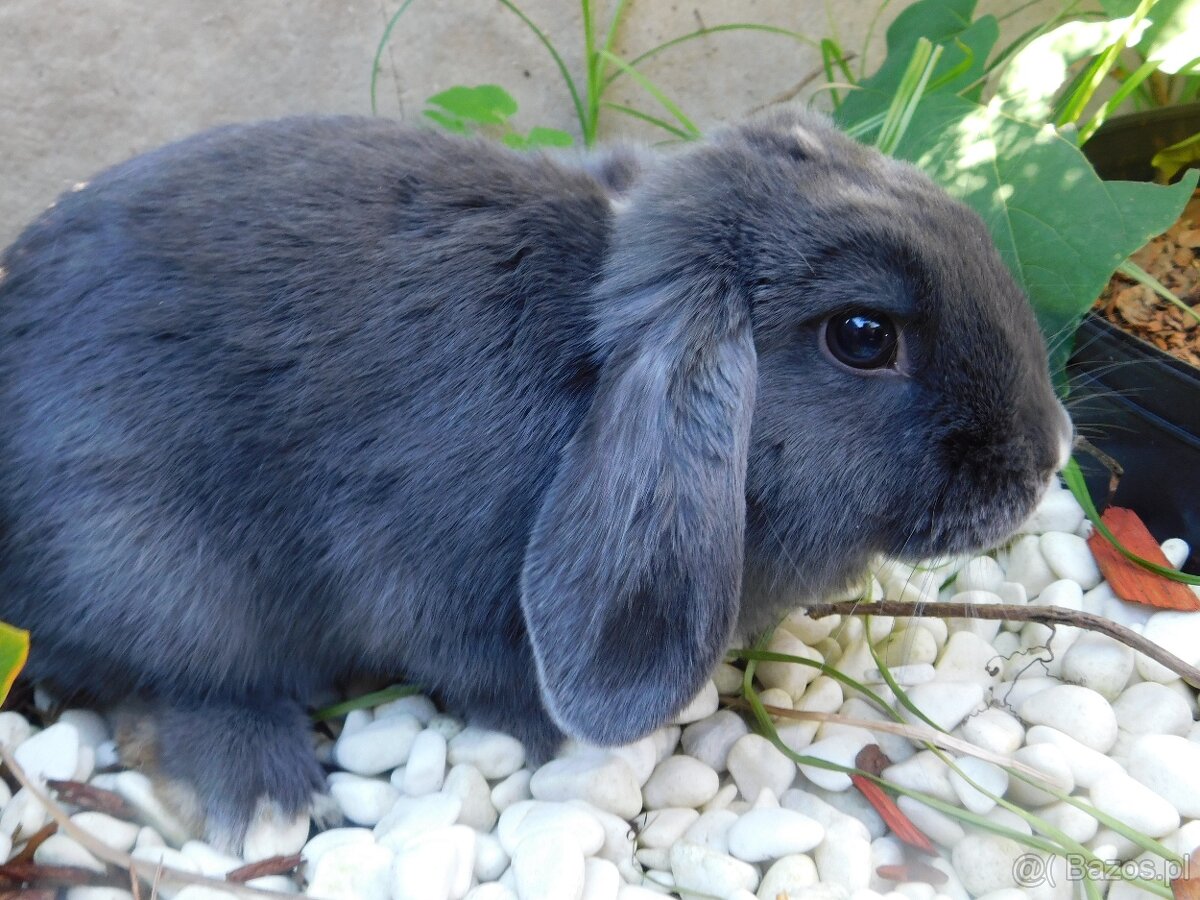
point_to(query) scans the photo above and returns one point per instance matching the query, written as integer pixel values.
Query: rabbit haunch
(304, 400)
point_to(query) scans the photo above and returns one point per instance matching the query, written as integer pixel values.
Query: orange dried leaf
(891, 814)
(1128, 580)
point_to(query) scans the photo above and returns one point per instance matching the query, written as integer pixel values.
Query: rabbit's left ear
(633, 572)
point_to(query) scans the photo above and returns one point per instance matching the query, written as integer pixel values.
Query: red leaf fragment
(892, 815)
(913, 871)
(1128, 580)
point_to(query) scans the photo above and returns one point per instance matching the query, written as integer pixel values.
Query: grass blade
(653, 90)
(908, 95)
(646, 117)
(1130, 269)
(558, 61)
(381, 46)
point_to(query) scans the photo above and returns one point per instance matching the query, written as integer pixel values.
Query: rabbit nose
(1066, 438)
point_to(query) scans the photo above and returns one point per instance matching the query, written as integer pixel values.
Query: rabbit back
(279, 403)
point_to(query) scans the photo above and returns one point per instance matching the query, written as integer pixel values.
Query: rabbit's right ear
(632, 576)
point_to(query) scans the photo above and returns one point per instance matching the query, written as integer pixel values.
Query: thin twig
(102, 851)
(1046, 615)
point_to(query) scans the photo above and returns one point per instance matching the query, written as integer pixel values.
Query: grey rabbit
(288, 403)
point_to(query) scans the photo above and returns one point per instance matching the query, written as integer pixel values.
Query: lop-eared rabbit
(288, 403)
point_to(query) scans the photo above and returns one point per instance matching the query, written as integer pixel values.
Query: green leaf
(946, 23)
(1173, 33)
(548, 137)
(366, 701)
(1061, 230)
(450, 123)
(14, 650)
(1036, 74)
(1170, 160)
(487, 104)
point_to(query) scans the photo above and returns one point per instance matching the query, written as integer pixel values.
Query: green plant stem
(908, 95)
(646, 117)
(1095, 74)
(381, 46)
(576, 100)
(375, 698)
(1130, 269)
(1073, 477)
(655, 91)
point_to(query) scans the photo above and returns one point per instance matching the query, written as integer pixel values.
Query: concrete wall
(86, 83)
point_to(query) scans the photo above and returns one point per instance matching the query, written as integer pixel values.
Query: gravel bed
(706, 807)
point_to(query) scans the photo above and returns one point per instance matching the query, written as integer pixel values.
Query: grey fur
(292, 402)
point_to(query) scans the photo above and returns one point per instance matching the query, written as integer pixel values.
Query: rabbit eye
(862, 340)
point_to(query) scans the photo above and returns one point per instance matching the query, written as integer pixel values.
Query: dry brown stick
(101, 850)
(1045, 615)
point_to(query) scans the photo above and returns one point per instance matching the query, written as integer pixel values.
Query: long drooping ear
(633, 573)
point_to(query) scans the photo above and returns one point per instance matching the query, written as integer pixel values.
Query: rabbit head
(811, 355)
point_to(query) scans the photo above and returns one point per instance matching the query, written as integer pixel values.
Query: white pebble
(465, 782)
(755, 763)
(52, 753)
(1087, 765)
(363, 801)
(116, 833)
(354, 870)
(1176, 551)
(984, 629)
(92, 728)
(14, 729)
(840, 748)
(790, 876)
(642, 756)
(680, 781)
(1077, 711)
(138, 791)
(377, 747)
(994, 729)
(1057, 511)
(712, 829)
(60, 850)
(418, 706)
(448, 727)
(1069, 557)
(710, 740)
(1070, 820)
(701, 870)
(703, 705)
(425, 770)
(496, 755)
(1176, 632)
(947, 703)
(924, 772)
(1169, 765)
(1099, 662)
(763, 834)
(1028, 567)
(548, 866)
(512, 789)
(601, 880)
(435, 865)
(789, 676)
(986, 862)
(411, 816)
(967, 657)
(1152, 708)
(491, 859)
(989, 777)
(937, 826)
(534, 816)
(910, 646)
(979, 574)
(1051, 762)
(210, 861)
(1136, 805)
(604, 781)
(727, 678)
(844, 859)
(663, 827)
(322, 842)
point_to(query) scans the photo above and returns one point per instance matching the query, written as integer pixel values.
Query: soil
(1174, 259)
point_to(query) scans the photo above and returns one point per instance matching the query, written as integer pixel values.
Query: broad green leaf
(1035, 74)
(1173, 33)
(487, 104)
(1060, 228)
(549, 137)
(14, 650)
(946, 23)
(450, 123)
